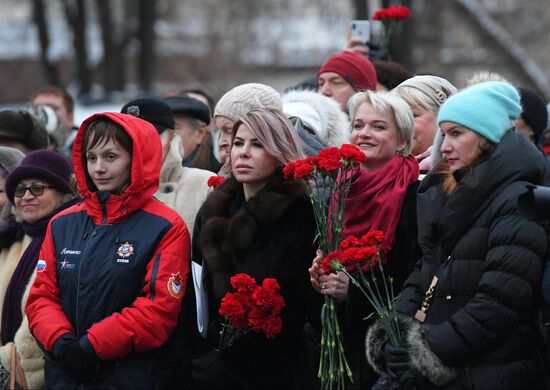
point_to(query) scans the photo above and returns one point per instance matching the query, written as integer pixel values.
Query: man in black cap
(157, 113)
(152, 110)
(192, 118)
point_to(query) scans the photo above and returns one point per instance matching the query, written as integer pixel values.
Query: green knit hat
(486, 108)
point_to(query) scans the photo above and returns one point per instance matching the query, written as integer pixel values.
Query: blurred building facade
(280, 42)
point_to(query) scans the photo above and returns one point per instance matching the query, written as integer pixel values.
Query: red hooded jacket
(112, 269)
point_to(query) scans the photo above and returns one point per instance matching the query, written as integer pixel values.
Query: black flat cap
(152, 110)
(189, 106)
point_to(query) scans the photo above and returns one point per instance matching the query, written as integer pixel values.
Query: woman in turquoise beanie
(468, 307)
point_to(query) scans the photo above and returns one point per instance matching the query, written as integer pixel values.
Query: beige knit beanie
(244, 98)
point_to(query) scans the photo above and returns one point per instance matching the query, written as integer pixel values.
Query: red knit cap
(354, 67)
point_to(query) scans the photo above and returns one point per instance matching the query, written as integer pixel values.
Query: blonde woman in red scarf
(382, 197)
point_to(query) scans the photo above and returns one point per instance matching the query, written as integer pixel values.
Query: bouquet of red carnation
(251, 307)
(215, 181)
(332, 167)
(390, 17)
(360, 259)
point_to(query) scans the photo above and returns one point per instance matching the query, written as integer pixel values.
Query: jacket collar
(230, 225)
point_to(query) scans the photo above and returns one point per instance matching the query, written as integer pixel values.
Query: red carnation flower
(288, 170)
(268, 300)
(351, 258)
(375, 237)
(232, 308)
(243, 283)
(215, 181)
(352, 153)
(327, 263)
(304, 168)
(350, 241)
(272, 326)
(329, 159)
(271, 284)
(251, 307)
(392, 13)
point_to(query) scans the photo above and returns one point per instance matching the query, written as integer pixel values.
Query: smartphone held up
(367, 31)
(360, 30)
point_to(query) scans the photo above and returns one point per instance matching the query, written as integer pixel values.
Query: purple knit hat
(45, 165)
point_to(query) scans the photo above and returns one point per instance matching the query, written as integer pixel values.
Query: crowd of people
(120, 238)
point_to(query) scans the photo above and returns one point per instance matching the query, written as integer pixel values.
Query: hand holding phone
(360, 30)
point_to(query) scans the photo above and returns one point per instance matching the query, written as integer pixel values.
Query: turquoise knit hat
(486, 108)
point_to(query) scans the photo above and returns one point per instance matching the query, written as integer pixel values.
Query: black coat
(270, 235)
(400, 263)
(488, 259)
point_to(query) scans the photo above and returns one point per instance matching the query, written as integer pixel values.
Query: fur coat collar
(230, 224)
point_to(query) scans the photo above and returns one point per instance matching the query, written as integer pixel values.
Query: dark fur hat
(22, 127)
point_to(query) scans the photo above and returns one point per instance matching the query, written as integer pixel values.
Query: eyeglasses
(35, 189)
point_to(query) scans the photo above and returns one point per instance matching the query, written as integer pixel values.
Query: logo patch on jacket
(124, 252)
(67, 265)
(40, 265)
(175, 285)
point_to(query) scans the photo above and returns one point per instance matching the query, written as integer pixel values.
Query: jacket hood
(335, 127)
(144, 176)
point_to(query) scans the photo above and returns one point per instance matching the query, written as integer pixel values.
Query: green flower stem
(378, 306)
(383, 308)
(329, 220)
(333, 366)
(394, 324)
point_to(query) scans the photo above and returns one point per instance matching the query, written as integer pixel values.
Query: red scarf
(376, 198)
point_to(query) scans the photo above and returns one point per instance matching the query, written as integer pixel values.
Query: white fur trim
(335, 125)
(377, 336)
(424, 360)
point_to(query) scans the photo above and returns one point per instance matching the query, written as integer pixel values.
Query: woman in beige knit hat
(238, 102)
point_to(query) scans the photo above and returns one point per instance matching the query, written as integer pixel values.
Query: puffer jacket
(479, 330)
(111, 274)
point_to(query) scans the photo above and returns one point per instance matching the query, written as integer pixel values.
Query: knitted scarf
(11, 310)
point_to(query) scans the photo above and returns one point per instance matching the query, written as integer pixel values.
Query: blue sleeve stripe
(154, 276)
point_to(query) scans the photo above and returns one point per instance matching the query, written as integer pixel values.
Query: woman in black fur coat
(471, 302)
(259, 224)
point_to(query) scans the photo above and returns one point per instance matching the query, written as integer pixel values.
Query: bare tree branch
(522, 59)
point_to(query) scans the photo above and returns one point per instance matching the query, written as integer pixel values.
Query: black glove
(397, 359)
(412, 379)
(398, 363)
(77, 363)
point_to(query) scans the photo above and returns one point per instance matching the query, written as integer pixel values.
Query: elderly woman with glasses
(39, 188)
